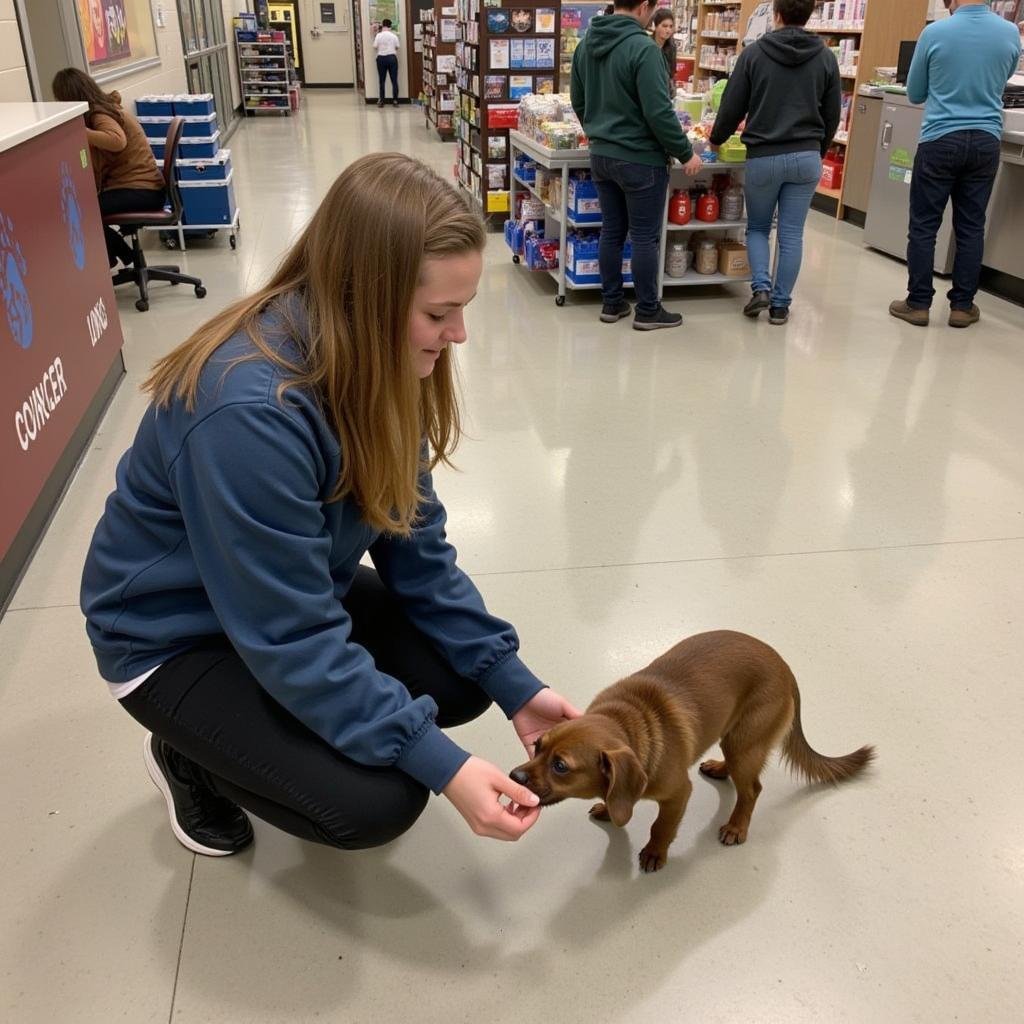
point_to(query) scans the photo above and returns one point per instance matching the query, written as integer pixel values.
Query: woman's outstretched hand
(476, 790)
(542, 712)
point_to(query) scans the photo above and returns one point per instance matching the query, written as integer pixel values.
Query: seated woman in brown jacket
(127, 177)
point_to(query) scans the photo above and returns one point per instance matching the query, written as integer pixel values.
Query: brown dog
(639, 737)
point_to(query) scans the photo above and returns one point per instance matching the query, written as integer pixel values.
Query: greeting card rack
(439, 33)
(504, 52)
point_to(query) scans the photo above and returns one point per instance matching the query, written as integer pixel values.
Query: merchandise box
(497, 202)
(199, 127)
(216, 169)
(584, 206)
(193, 104)
(503, 116)
(517, 233)
(156, 127)
(733, 260)
(154, 106)
(199, 149)
(208, 202)
(581, 259)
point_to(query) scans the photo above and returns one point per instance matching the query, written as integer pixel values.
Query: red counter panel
(59, 328)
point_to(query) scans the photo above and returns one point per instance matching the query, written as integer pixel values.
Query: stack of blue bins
(204, 169)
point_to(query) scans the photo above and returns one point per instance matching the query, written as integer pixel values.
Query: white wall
(169, 75)
(14, 83)
(329, 57)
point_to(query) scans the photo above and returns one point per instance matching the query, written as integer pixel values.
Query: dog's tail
(815, 767)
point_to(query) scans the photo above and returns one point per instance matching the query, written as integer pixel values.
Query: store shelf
(551, 211)
(842, 138)
(730, 36)
(838, 29)
(691, 279)
(592, 287)
(830, 193)
(700, 225)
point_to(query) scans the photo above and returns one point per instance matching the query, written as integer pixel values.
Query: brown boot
(900, 310)
(964, 317)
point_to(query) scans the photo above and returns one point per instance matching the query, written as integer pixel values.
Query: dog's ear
(626, 781)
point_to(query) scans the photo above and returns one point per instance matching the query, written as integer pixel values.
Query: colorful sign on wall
(104, 31)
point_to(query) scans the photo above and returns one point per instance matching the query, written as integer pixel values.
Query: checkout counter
(895, 124)
(60, 336)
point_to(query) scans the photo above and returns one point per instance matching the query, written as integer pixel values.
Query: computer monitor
(907, 48)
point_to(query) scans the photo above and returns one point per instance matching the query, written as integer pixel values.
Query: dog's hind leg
(745, 768)
(664, 829)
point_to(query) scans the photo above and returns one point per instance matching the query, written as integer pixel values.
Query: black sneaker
(202, 821)
(613, 314)
(778, 315)
(758, 302)
(656, 321)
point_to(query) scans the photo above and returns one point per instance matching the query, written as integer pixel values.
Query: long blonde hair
(354, 270)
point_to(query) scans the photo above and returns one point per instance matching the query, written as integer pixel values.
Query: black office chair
(131, 225)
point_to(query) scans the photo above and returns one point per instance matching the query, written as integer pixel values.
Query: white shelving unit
(267, 77)
(564, 161)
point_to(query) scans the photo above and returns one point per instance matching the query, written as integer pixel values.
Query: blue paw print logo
(71, 213)
(13, 270)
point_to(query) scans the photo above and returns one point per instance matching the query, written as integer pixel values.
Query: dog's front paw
(652, 858)
(732, 835)
(600, 813)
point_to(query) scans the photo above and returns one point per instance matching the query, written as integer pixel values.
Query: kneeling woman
(226, 603)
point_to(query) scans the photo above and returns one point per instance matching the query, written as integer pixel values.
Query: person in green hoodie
(618, 92)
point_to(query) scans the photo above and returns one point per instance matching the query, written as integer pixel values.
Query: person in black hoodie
(787, 86)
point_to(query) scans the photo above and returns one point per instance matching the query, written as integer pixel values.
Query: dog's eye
(559, 767)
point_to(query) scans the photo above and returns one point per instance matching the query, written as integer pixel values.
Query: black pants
(388, 66)
(126, 200)
(207, 706)
(961, 166)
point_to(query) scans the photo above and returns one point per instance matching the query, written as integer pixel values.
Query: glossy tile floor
(848, 488)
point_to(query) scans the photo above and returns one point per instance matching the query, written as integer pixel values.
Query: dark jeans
(126, 200)
(388, 66)
(207, 706)
(961, 166)
(632, 202)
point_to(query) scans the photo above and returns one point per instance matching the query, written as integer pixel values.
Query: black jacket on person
(787, 86)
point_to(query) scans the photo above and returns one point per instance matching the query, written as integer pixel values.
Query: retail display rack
(439, 36)
(266, 71)
(574, 20)
(865, 35)
(502, 54)
(563, 217)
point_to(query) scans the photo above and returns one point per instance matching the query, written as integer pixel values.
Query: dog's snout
(518, 775)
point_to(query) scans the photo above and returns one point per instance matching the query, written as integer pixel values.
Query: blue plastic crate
(200, 127)
(155, 127)
(158, 150)
(154, 106)
(199, 149)
(216, 169)
(208, 202)
(583, 203)
(194, 104)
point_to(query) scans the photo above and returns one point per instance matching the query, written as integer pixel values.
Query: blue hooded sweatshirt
(221, 525)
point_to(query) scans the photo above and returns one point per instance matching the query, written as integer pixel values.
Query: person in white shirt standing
(386, 45)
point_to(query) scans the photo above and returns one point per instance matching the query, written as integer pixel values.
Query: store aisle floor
(848, 488)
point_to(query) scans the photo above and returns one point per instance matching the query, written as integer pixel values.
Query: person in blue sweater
(225, 601)
(960, 69)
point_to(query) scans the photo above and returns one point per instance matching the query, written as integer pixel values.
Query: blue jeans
(632, 202)
(786, 181)
(961, 165)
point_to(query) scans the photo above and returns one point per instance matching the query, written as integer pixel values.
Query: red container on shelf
(680, 209)
(708, 207)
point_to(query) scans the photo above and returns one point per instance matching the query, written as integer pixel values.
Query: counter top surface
(20, 122)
